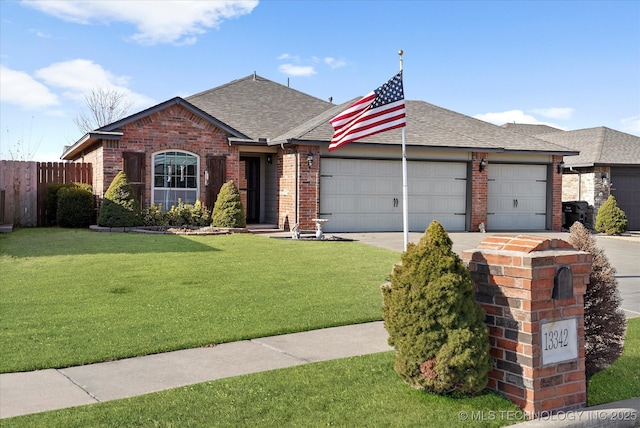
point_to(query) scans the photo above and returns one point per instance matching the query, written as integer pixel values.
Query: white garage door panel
(517, 197)
(366, 195)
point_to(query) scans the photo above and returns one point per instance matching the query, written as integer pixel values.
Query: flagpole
(405, 190)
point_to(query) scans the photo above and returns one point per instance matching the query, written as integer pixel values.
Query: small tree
(228, 210)
(611, 219)
(604, 320)
(438, 330)
(119, 206)
(105, 106)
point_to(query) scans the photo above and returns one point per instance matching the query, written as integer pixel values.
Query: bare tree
(105, 105)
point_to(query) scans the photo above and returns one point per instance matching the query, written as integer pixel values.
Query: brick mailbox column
(532, 289)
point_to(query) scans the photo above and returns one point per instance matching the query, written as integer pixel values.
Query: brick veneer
(514, 279)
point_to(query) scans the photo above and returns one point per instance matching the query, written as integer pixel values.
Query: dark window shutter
(133, 166)
(216, 173)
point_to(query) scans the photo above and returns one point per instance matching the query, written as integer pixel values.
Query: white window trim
(153, 176)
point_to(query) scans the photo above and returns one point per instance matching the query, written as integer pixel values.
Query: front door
(252, 189)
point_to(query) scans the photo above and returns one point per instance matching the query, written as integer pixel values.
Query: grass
(72, 297)
(359, 391)
(621, 380)
(66, 292)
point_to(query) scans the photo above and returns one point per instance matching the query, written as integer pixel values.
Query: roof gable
(258, 107)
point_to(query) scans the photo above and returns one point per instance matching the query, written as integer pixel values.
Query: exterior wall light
(269, 159)
(483, 164)
(310, 160)
(605, 180)
(560, 167)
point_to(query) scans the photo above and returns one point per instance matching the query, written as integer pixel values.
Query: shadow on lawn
(44, 242)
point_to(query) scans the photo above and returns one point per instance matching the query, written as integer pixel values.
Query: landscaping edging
(170, 230)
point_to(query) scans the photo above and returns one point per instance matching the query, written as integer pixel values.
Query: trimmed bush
(51, 201)
(604, 320)
(182, 215)
(154, 216)
(75, 207)
(228, 210)
(119, 206)
(438, 330)
(611, 219)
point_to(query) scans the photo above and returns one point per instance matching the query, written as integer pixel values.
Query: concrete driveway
(623, 252)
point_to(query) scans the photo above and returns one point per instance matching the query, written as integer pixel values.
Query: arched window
(175, 177)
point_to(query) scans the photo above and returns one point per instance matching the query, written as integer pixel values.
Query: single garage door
(516, 197)
(359, 195)
(625, 187)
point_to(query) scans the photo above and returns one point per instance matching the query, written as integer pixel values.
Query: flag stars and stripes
(380, 110)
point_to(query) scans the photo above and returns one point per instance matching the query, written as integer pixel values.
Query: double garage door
(359, 195)
(625, 187)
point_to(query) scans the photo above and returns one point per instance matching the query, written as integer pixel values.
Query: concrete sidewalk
(42, 390)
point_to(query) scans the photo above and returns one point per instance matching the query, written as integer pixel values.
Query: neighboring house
(609, 163)
(272, 141)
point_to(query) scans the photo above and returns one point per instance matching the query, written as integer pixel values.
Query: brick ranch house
(272, 141)
(608, 164)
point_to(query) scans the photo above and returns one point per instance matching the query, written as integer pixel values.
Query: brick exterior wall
(556, 220)
(514, 280)
(478, 191)
(305, 202)
(173, 128)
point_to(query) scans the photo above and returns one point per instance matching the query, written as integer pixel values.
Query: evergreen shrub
(437, 328)
(611, 219)
(75, 207)
(228, 210)
(119, 207)
(51, 199)
(604, 320)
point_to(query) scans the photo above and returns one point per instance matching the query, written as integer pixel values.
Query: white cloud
(296, 70)
(289, 57)
(79, 77)
(555, 112)
(176, 22)
(631, 124)
(513, 116)
(334, 63)
(517, 116)
(19, 88)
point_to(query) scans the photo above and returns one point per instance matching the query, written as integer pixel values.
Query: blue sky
(573, 64)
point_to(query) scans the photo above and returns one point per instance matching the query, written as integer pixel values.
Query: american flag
(379, 111)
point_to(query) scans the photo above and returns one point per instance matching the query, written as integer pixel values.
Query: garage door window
(175, 178)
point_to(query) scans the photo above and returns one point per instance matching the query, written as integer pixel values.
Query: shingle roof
(533, 130)
(258, 107)
(599, 145)
(431, 126)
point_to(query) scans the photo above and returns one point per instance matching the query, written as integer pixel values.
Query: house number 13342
(555, 339)
(559, 340)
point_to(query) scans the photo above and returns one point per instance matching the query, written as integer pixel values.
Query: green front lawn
(351, 392)
(72, 297)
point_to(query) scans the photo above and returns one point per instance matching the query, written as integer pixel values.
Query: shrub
(119, 206)
(228, 210)
(438, 330)
(604, 320)
(51, 201)
(75, 207)
(181, 215)
(154, 216)
(611, 219)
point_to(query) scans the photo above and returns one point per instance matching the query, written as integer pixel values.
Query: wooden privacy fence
(24, 186)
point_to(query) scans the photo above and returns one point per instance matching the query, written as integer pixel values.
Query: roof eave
(88, 139)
